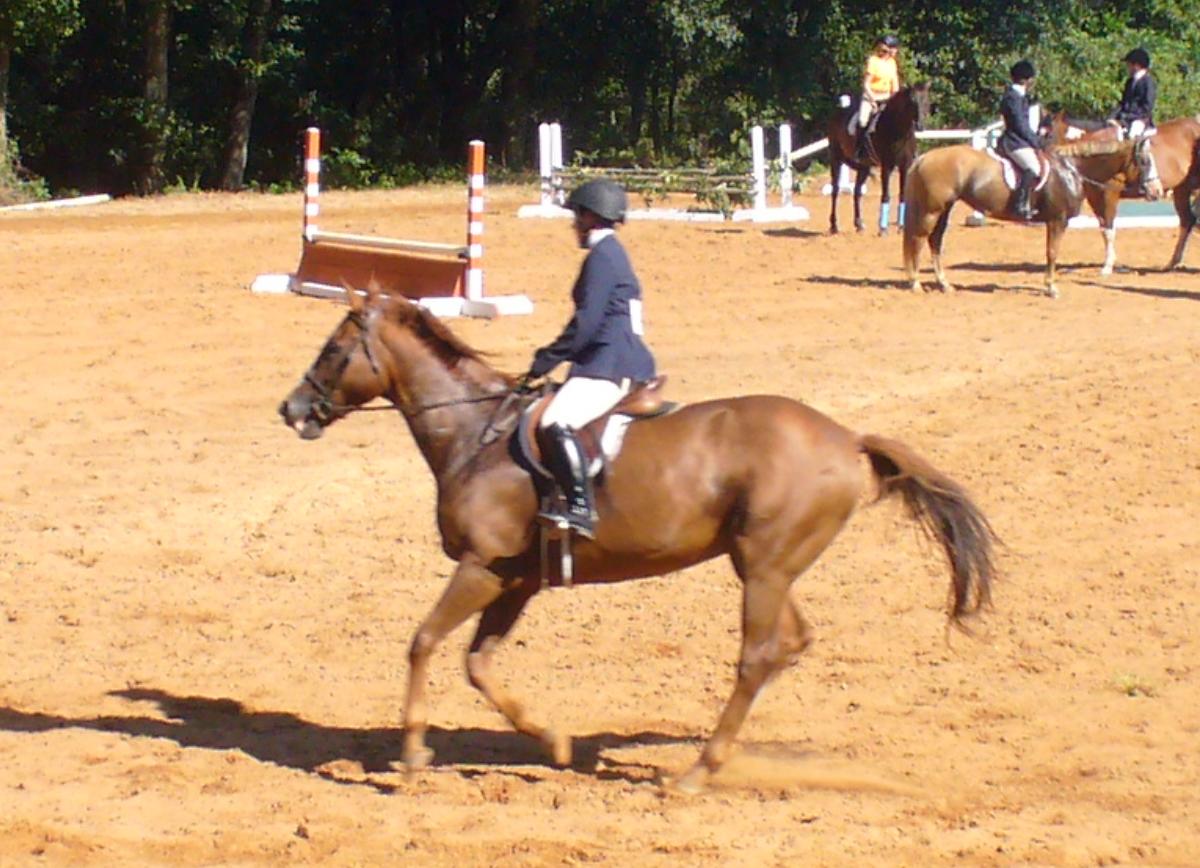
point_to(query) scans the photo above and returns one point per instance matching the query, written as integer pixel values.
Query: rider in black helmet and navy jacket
(1020, 142)
(1135, 114)
(603, 342)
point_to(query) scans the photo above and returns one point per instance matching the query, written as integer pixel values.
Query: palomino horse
(891, 145)
(765, 480)
(943, 176)
(1175, 151)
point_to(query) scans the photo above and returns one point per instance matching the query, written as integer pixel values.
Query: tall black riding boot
(1022, 207)
(861, 152)
(568, 463)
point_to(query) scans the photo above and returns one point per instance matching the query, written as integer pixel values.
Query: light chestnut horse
(944, 176)
(765, 480)
(1175, 168)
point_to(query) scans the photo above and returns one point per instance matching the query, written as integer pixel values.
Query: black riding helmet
(604, 198)
(1139, 56)
(889, 40)
(1022, 70)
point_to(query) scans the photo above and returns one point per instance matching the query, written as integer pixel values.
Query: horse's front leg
(860, 180)
(1055, 229)
(495, 623)
(835, 169)
(472, 588)
(885, 200)
(1106, 211)
(902, 170)
(1187, 220)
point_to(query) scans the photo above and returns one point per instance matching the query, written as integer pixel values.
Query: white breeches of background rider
(1026, 158)
(865, 108)
(582, 399)
(1136, 128)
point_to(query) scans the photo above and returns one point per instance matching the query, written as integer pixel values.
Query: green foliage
(399, 87)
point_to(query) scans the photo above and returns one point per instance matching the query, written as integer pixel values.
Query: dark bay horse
(943, 176)
(1175, 152)
(892, 145)
(765, 480)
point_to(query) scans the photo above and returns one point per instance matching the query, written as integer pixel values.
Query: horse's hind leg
(472, 588)
(495, 623)
(860, 179)
(936, 239)
(773, 631)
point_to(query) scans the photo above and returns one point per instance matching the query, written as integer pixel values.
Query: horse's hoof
(915, 286)
(558, 746)
(417, 758)
(1052, 291)
(858, 227)
(833, 230)
(690, 784)
(883, 233)
(947, 288)
(1106, 271)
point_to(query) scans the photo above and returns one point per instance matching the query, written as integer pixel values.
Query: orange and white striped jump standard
(446, 278)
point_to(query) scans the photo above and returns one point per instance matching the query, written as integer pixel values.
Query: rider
(1135, 114)
(881, 79)
(1019, 141)
(603, 342)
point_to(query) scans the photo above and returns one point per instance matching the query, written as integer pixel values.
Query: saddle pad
(1009, 170)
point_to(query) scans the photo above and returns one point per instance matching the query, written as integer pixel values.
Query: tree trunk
(519, 42)
(237, 145)
(5, 61)
(150, 177)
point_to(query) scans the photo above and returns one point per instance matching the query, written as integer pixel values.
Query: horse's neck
(1101, 167)
(437, 400)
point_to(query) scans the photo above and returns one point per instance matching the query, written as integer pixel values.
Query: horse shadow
(1024, 267)
(901, 285)
(285, 739)
(1152, 292)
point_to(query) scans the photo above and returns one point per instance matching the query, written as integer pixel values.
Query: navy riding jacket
(1137, 101)
(1014, 109)
(603, 338)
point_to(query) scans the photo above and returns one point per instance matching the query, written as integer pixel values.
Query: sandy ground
(204, 620)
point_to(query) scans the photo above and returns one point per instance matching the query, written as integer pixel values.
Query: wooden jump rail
(720, 189)
(445, 278)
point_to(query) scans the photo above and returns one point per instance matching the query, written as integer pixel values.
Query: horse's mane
(433, 332)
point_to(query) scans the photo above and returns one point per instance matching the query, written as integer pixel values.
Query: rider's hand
(525, 385)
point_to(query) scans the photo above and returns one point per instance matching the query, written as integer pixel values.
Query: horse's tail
(947, 515)
(914, 213)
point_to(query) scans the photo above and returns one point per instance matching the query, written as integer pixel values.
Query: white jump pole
(785, 165)
(545, 169)
(759, 162)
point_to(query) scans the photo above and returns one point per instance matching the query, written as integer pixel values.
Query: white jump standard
(447, 279)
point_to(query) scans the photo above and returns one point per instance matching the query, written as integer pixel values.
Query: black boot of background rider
(566, 460)
(860, 145)
(1022, 207)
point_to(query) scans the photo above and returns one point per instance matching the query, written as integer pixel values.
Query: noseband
(323, 408)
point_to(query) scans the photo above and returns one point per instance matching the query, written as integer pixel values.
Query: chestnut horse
(765, 480)
(943, 176)
(891, 145)
(1175, 150)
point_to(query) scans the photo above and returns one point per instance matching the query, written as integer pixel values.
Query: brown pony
(943, 176)
(891, 145)
(765, 480)
(1175, 151)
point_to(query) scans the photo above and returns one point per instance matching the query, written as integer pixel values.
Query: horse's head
(346, 374)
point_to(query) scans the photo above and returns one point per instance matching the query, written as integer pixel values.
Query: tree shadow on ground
(792, 232)
(285, 739)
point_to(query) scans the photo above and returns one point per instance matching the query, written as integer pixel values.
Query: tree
(23, 22)
(249, 72)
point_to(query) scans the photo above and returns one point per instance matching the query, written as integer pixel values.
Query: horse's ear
(352, 297)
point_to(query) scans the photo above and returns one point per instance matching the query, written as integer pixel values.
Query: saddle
(1012, 174)
(601, 438)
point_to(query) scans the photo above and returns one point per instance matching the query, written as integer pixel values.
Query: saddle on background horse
(601, 440)
(1012, 172)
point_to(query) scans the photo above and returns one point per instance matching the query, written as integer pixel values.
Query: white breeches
(582, 399)
(1136, 128)
(865, 109)
(1026, 158)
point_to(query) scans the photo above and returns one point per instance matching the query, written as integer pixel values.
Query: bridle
(324, 408)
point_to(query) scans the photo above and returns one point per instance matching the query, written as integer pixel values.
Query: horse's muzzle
(299, 416)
